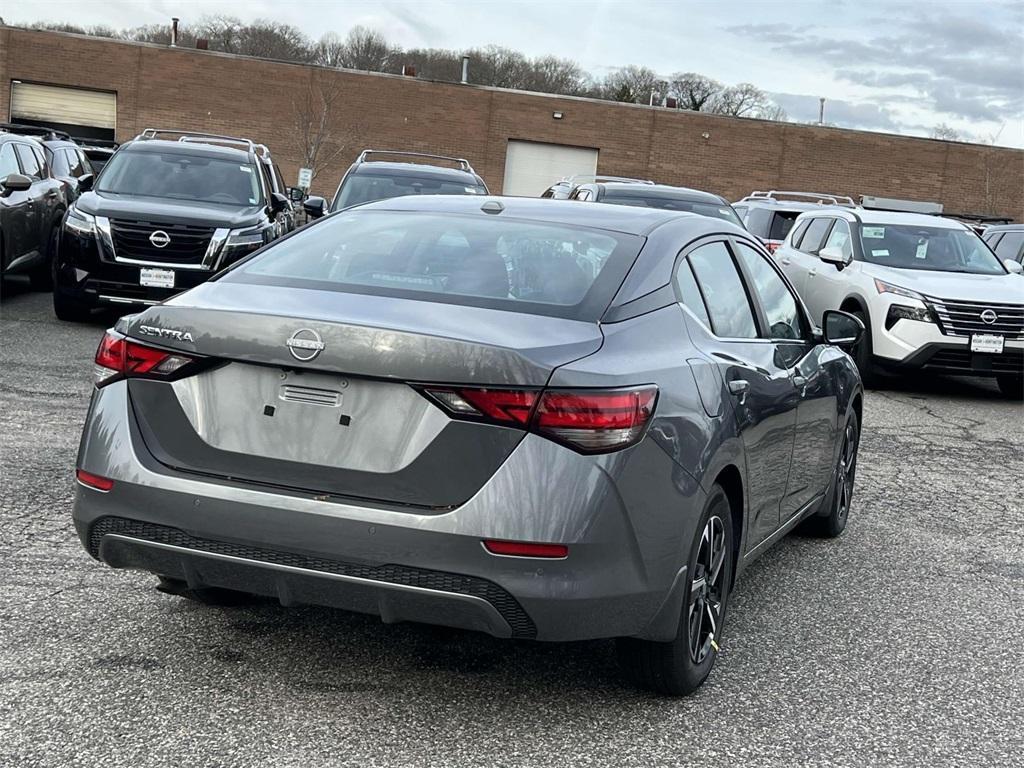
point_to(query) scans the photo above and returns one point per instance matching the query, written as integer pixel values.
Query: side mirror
(1013, 267)
(279, 203)
(16, 183)
(85, 182)
(296, 194)
(833, 255)
(841, 328)
(315, 207)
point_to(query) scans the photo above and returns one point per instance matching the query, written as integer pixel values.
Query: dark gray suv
(531, 418)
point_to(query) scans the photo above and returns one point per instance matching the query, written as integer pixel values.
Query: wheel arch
(730, 479)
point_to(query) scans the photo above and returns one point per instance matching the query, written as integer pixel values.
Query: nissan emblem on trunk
(305, 344)
(160, 239)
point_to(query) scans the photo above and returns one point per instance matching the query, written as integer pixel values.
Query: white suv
(931, 294)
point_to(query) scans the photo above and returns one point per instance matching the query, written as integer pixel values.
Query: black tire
(862, 352)
(680, 666)
(206, 595)
(41, 277)
(837, 503)
(69, 310)
(1011, 386)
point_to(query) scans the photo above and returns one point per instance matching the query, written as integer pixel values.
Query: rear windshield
(181, 177)
(548, 269)
(367, 187)
(770, 224)
(933, 248)
(714, 210)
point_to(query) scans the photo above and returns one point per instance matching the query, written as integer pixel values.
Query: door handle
(784, 262)
(812, 273)
(740, 387)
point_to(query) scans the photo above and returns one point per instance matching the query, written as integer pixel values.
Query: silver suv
(770, 215)
(931, 294)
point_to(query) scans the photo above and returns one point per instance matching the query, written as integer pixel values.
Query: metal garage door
(531, 167)
(78, 111)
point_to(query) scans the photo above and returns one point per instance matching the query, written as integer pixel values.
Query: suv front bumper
(911, 344)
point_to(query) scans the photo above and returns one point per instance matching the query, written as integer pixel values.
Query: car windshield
(939, 249)
(670, 203)
(181, 177)
(367, 187)
(553, 269)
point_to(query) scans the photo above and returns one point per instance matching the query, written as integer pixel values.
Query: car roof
(663, 191)
(389, 168)
(186, 148)
(618, 218)
(869, 216)
(1004, 228)
(19, 137)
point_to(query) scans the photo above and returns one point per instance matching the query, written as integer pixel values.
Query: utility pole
(821, 111)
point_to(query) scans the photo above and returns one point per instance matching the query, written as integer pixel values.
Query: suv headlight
(79, 222)
(251, 238)
(883, 287)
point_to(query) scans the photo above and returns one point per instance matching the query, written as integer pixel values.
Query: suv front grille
(187, 244)
(962, 318)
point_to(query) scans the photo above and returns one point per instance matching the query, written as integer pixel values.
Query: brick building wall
(158, 86)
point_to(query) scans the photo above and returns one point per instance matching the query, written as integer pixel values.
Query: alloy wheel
(706, 593)
(846, 472)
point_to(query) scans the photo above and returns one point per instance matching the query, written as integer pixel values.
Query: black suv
(32, 204)
(368, 179)
(67, 160)
(164, 216)
(647, 194)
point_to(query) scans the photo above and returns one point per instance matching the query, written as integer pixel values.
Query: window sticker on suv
(875, 233)
(922, 250)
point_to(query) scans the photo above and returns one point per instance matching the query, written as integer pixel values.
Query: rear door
(764, 397)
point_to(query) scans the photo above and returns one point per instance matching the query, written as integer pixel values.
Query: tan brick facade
(181, 88)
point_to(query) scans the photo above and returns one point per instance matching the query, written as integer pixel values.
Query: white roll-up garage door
(532, 166)
(57, 105)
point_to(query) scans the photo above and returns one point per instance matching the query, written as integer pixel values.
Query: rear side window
(687, 285)
(1010, 246)
(798, 232)
(815, 235)
(30, 164)
(723, 291)
(474, 260)
(782, 222)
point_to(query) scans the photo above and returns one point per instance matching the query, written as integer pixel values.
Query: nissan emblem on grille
(989, 316)
(160, 239)
(305, 344)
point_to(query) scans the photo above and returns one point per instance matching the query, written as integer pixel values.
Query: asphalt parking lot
(900, 643)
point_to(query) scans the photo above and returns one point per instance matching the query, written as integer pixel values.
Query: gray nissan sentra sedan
(530, 418)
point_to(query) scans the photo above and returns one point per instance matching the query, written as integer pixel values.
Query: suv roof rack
(463, 164)
(600, 178)
(85, 141)
(35, 130)
(192, 137)
(777, 195)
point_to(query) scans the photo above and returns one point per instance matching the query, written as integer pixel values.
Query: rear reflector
(94, 481)
(587, 420)
(525, 549)
(117, 356)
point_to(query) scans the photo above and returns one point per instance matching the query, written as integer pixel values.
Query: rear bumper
(625, 518)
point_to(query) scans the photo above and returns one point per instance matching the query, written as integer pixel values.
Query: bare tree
(945, 133)
(329, 50)
(772, 112)
(743, 100)
(632, 84)
(322, 130)
(693, 91)
(367, 50)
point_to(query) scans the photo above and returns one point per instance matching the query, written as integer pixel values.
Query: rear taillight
(589, 421)
(118, 357)
(526, 549)
(95, 482)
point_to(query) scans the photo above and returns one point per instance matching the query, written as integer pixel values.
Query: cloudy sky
(884, 66)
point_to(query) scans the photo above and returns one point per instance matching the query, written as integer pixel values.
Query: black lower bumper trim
(504, 603)
(957, 359)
